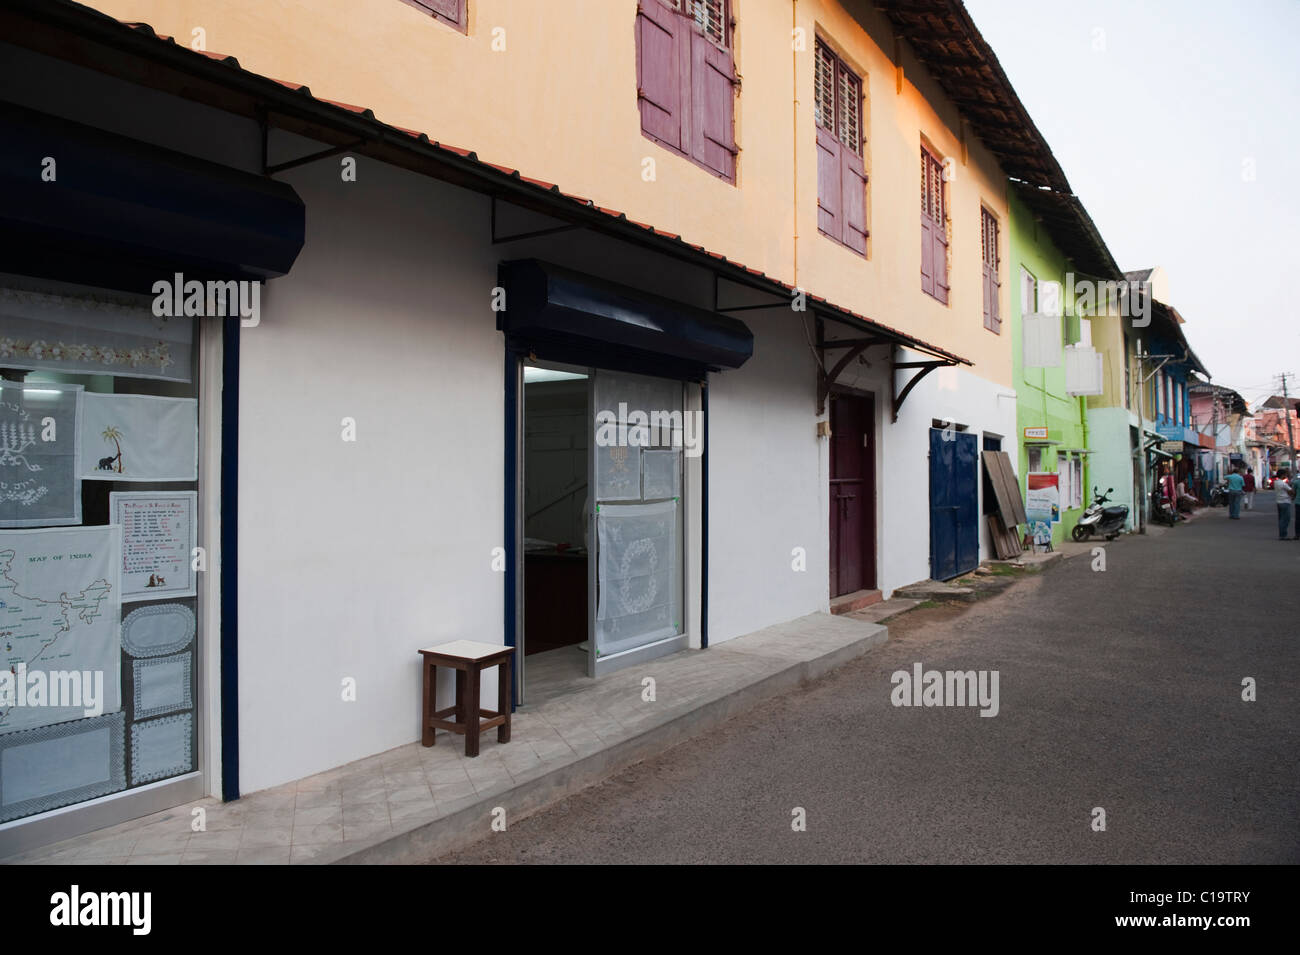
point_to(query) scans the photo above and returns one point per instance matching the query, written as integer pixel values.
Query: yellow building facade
(551, 89)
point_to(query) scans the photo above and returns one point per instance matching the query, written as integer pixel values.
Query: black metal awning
(118, 213)
(583, 318)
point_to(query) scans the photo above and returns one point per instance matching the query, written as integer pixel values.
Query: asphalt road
(1119, 689)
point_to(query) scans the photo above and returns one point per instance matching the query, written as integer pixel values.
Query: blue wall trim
(511, 492)
(704, 519)
(230, 559)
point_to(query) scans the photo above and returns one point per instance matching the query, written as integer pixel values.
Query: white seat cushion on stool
(467, 649)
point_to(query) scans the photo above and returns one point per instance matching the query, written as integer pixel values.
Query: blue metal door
(954, 504)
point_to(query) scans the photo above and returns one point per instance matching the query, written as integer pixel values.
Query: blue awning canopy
(119, 213)
(571, 316)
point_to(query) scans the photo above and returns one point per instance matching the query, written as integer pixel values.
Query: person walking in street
(1236, 488)
(1250, 488)
(1282, 494)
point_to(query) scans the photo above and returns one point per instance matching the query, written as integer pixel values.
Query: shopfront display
(99, 546)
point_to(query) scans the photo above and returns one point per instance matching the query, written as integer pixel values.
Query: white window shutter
(1041, 340)
(1083, 370)
(1049, 298)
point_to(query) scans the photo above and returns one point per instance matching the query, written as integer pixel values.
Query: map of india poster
(60, 632)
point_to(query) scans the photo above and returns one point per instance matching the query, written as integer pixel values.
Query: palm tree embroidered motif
(106, 464)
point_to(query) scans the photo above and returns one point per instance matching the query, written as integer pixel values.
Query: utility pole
(1286, 410)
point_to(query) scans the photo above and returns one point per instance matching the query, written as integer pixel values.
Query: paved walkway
(1119, 690)
(412, 801)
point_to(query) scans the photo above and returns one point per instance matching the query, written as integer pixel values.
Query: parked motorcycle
(1101, 520)
(1161, 510)
(1219, 495)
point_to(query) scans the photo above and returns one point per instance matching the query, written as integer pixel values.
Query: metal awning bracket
(924, 368)
(497, 239)
(268, 169)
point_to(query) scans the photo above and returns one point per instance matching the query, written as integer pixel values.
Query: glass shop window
(99, 525)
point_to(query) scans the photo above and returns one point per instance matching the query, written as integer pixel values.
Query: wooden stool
(468, 658)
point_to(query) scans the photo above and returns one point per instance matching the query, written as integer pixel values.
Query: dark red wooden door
(853, 495)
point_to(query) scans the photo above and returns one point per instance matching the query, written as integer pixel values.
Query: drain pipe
(794, 130)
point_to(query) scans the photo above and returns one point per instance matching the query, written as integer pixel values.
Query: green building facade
(1052, 426)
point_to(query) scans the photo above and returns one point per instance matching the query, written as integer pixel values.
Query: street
(1120, 690)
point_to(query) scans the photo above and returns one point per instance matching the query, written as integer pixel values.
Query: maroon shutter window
(841, 173)
(713, 98)
(658, 41)
(853, 183)
(830, 167)
(992, 284)
(686, 80)
(449, 11)
(934, 230)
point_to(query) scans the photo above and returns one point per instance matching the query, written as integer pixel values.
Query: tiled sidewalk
(412, 802)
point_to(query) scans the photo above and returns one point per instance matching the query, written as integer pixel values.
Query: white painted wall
(903, 449)
(768, 485)
(354, 555)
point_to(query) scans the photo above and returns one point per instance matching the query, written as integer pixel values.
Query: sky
(1177, 123)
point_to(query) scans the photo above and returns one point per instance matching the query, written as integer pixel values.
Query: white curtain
(639, 573)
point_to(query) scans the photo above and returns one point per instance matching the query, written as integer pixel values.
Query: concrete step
(855, 601)
(935, 590)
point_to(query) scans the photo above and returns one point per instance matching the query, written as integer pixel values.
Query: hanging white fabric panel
(99, 333)
(660, 474)
(639, 574)
(40, 454)
(618, 473)
(139, 438)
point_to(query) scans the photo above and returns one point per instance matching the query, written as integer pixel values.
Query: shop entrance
(852, 494)
(555, 504)
(601, 555)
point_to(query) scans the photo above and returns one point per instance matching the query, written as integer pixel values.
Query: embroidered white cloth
(40, 483)
(639, 572)
(159, 534)
(139, 438)
(96, 334)
(60, 608)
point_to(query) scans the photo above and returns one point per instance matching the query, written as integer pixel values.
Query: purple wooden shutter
(853, 206)
(940, 260)
(927, 254)
(713, 98)
(659, 35)
(829, 192)
(995, 293)
(988, 298)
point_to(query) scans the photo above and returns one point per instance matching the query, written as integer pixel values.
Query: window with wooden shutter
(451, 12)
(841, 172)
(686, 79)
(934, 228)
(992, 282)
